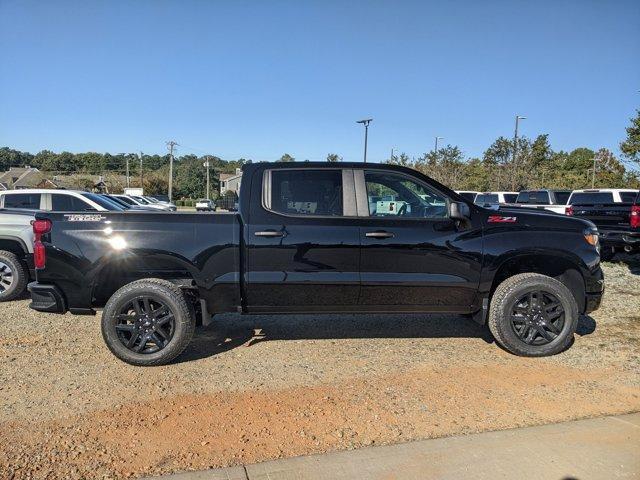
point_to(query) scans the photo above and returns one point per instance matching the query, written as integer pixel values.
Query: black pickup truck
(320, 237)
(618, 222)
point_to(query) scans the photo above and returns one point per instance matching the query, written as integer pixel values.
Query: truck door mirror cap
(459, 211)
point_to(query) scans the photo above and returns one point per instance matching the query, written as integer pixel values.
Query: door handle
(269, 233)
(379, 234)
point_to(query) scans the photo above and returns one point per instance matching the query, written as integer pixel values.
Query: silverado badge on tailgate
(83, 217)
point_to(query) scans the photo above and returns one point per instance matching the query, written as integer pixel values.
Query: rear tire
(533, 315)
(148, 322)
(13, 276)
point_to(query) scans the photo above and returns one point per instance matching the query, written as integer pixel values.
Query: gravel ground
(256, 388)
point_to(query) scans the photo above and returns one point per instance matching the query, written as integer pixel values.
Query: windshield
(141, 200)
(105, 203)
(116, 200)
(127, 200)
(151, 200)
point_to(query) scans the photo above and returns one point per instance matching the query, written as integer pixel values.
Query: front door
(303, 244)
(414, 257)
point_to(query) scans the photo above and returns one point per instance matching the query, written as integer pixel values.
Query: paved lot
(251, 389)
(600, 448)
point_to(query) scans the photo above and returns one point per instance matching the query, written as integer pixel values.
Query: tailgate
(606, 216)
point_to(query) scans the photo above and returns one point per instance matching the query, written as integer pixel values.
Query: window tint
(29, 201)
(102, 201)
(562, 197)
(306, 192)
(392, 195)
(127, 200)
(581, 198)
(511, 197)
(487, 198)
(534, 198)
(628, 197)
(68, 203)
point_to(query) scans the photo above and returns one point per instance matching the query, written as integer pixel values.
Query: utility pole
(436, 147)
(515, 149)
(170, 145)
(128, 180)
(593, 174)
(366, 123)
(141, 175)
(207, 164)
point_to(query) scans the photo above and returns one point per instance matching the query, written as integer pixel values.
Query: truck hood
(540, 218)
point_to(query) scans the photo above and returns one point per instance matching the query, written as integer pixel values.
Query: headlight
(592, 237)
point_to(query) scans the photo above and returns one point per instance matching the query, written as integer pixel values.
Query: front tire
(13, 276)
(533, 315)
(148, 322)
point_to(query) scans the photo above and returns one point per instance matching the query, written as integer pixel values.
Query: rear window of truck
(28, 201)
(628, 197)
(580, 198)
(534, 198)
(306, 192)
(485, 198)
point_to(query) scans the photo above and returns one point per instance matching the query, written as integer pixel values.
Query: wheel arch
(559, 267)
(14, 245)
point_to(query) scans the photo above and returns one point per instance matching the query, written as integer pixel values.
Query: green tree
(287, 158)
(630, 147)
(333, 157)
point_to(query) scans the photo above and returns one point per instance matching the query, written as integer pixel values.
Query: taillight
(40, 227)
(635, 216)
(568, 210)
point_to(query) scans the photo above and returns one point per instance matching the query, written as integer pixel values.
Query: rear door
(303, 246)
(414, 258)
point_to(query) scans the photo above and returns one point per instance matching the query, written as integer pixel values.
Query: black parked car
(321, 237)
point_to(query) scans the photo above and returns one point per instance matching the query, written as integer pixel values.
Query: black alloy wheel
(537, 317)
(145, 325)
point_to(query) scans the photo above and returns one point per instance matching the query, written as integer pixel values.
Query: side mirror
(459, 211)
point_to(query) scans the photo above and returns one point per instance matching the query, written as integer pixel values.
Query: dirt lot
(256, 388)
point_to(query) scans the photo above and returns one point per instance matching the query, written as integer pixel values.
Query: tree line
(534, 165)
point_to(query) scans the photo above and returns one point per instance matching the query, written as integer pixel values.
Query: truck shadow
(231, 331)
(631, 261)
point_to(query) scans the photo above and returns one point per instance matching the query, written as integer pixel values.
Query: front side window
(306, 192)
(393, 195)
(29, 201)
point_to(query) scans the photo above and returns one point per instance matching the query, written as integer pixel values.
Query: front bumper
(46, 298)
(594, 286)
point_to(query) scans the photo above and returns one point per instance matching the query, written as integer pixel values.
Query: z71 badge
(82, 217)
(501, 219)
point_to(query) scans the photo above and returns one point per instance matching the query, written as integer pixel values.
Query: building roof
(17, 176)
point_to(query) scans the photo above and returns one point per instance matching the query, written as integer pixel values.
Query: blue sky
(256, 79)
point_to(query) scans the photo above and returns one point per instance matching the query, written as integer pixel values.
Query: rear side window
(511, 197)
(485, 198)
(30, 201)
(562, 197)
(523, 197)
(591, 197)
(628, 197)
(68, 203)
(306, 192)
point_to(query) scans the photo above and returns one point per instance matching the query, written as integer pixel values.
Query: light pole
(593, 175)
(436, 147)
(515, 149)
(206, 165)
(366, 123)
